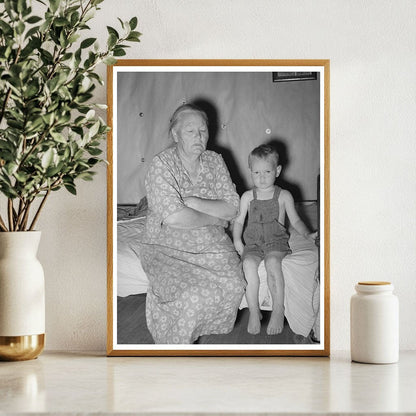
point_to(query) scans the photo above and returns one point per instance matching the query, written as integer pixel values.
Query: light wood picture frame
(244, 109)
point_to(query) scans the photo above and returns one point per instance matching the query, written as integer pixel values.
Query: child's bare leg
(273, 264)
(250, 267)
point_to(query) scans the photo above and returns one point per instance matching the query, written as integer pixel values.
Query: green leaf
(31, 90)
(112, 31)
(61, 21)
(33, 19)
(87, 42)
(133, 23)
(63, 41)
(21, 5)
(31, 32)
(47, 158)
(112, 41)
(35, 125)
(70, 188)
(73, 38)
(52, 171)
(10, 7)
(134, 37)
(86, 176)
(82, 98)
(94, 151)
(48, 118)
(20, 28)
(54, 4)
(67, 153)
(60, 138)
(11, 168)
(119, 52)
(110, 60)
(74, 18)
(94, 129)
(92, 161)
(90, 114)
(121, 22)
(6, 29)
(21, 177)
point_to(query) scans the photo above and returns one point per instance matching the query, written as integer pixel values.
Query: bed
(300, 268)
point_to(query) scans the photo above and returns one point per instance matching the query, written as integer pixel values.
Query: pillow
(125, 212)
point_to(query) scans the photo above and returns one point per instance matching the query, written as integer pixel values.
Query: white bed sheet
(300, 271)
(302, 286)
(131, 278)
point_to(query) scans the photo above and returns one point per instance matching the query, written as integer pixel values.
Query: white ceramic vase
(22, 296)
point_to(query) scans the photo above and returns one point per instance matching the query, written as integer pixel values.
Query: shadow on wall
(227, 154)
(280, 145)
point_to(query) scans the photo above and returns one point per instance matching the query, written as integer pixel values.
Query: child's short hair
(264, 151)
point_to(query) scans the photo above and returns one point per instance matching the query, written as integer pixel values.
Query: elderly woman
(195, 275)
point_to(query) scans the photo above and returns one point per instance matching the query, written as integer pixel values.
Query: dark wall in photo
(245, 109)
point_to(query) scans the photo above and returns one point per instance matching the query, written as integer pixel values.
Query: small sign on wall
(294, 76)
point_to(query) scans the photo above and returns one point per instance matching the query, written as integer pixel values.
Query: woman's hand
(312, 236)
(191, 202)
(239, 246)
(214, 207)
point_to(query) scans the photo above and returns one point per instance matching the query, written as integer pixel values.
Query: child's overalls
(264, 233)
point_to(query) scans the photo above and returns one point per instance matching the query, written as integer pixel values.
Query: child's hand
(312, 236)
(239, 246)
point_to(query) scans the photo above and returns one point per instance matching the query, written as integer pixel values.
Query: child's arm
(239, 223)
(294, 218)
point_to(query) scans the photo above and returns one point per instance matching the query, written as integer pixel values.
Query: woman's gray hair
(181, 110)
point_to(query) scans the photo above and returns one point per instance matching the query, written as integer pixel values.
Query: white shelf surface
(90, 383)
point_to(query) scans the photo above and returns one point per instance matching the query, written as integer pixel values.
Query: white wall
(371, 45)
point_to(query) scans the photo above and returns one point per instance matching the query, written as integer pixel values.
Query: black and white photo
(218, 208)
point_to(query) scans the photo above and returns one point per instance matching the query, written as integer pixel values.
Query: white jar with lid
(374, 323)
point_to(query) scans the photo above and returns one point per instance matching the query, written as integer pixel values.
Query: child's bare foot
(276, 322)
(254, 324)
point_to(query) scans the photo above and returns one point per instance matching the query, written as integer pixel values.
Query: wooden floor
(132, 328)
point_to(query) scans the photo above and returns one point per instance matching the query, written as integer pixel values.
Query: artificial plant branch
(32, 225)
(10, 213)
(26, 215)
(36, 144)
(2, 224)
(9, 91)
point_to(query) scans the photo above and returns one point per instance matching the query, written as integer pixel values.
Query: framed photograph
(218, 208)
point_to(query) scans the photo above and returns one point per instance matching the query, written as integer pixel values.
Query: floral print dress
(196, 280)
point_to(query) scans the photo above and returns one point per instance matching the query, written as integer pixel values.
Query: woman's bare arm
(188, 218)
(212, 207)
(239, 221)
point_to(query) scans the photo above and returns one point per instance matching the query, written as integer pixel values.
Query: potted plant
(50, 136)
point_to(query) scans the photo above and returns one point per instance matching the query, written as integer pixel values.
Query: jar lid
(371, 287)
(374, 283)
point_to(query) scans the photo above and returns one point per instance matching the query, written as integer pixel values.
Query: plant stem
(10, 213)
(2, 225)
(26, 216)
(32, 149)
(39, 209)
(20, 212)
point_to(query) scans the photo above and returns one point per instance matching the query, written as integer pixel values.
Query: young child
(265, 236)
